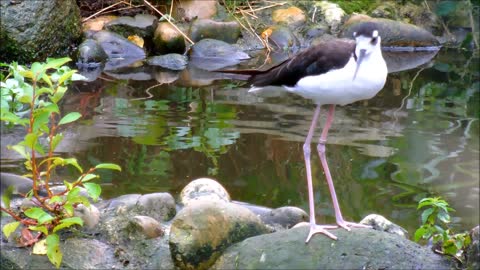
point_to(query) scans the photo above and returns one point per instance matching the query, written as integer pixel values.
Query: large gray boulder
(33, 30)
(357, 249)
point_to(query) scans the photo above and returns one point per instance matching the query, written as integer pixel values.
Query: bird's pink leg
(321, 152)
(314, 228)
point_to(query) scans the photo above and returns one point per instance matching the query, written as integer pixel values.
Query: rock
(393, 33)
(284, 217)
(127, 201)
(203, 230)
(98, 255)
(142, 25)
(98, 23)
(90, 54)
(472, 252)
(34, 30)
(160, 206)
(206, 28)
(357, 249)
(380, 223)
(142, 73)
(292, 16)
(332, 13)
(203, 189)
(167, 39)
(173, 61)
(146, 226)
(281, 37)
(90, 215)
(191, 9)
(121, 52)
(17, 183)
(211, 54)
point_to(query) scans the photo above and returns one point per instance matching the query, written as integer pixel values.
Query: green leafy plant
(40, 88)
(435, 219)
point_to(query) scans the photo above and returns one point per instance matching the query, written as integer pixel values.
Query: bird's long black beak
(359, 61)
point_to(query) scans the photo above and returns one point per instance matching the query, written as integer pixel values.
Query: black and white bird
(337, 71)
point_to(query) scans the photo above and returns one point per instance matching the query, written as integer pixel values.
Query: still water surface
(418, 137)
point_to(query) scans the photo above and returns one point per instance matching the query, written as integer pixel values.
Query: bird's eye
(374, 41)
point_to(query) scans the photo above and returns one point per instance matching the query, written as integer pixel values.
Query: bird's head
(367, 42)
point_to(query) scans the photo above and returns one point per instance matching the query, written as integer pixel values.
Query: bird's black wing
(319, 59)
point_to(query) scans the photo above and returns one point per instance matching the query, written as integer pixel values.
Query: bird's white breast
(338, 87)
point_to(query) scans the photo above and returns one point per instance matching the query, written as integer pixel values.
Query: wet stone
(190, 9)
(206, 28)
(173, 61)
(146, 226)
(160, 206)
(90, 52)
(281, 37)
(211, 54)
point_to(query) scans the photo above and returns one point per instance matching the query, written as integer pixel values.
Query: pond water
(418, 137)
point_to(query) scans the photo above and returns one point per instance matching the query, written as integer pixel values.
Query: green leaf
(89, 177)
(7, 194)
(44, 90)
(53, 250)
(10, 228)
(73, 116)
(37, 69)
(426, 214)
(424, 202)
(68, 185)
(38, 214)
(73, 162)
(40, 228)
(419, 233)
(110, 166)
(56, 140)
(68, 208)
(444, 217)
(94, 190)
(73, 193)
(58, 94)
(66, 76)
(67, 222)
(46, 79)
(55, 199)
(56, 62)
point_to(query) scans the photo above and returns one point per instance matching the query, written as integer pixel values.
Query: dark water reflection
(412, 140)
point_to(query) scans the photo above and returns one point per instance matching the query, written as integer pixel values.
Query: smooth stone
(393, 33)
(173, 61)
(211, 54)
(126, 201)
(142, 24)
(141, 73)
(90, 52)
(203, 189)
(160, 205)
(203, 230)
(355, 249)
(121, 52)
(146, 226)
(281, 37)
(167, 39)
(206, 28)
(284, 217)
(380, 223)
(90, 215)
(98, 23)
(19, 184)
(292, 16)
(190, 9)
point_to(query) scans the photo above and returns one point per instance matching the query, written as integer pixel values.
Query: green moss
(358, 6)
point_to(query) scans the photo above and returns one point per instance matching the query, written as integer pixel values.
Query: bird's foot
(348, 225)
(314, 229)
